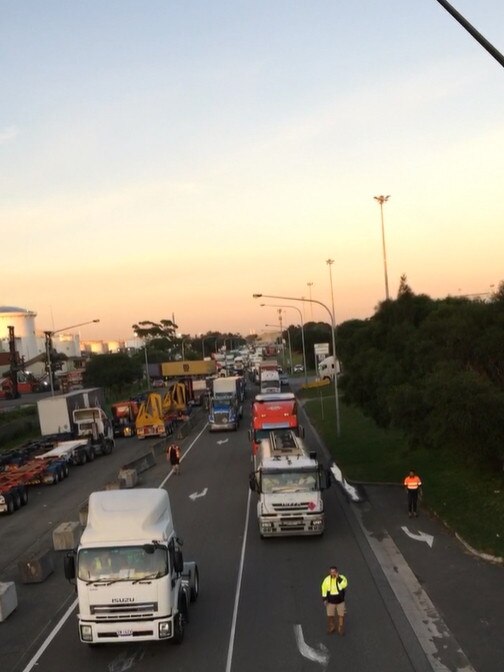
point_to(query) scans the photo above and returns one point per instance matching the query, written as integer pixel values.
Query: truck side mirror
(301, 432)
(252, 481)
(249, 434)
(69, 566)
(178, 561)
(328, 478)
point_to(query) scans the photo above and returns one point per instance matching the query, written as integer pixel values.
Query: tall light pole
(273, 305)
(330, 262)
(281, 336)
(147, 375)
(381, 200)
(310, 285)
(295, 298)
(203, 339)
(48, 347)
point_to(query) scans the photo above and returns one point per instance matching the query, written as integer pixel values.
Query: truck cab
(226, 403)
(289, 481)
(132, 583)
(273, 412)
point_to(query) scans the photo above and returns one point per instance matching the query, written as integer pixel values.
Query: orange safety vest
(412, 482)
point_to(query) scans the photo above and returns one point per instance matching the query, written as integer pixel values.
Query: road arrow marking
(222, 441)
(320, 655)
(196, 495)
(421, 536)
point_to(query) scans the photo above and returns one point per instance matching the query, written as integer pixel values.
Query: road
(259, 606)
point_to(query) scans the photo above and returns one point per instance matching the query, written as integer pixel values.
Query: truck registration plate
(124, 633)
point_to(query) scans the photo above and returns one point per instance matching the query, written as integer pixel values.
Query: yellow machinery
(150, 420)
(175, 400)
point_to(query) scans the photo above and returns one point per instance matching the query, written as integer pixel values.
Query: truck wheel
(66, 470)
(178, 628)
(91, 454)
(24, 496)
(195, 586)
(16, 499)
(10, 504)
(56, 477)
(107, 447)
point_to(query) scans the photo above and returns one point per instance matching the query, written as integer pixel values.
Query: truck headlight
(164, 630)
(317, 523)
(86, 633)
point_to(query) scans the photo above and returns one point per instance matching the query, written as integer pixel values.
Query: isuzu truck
(132, 582)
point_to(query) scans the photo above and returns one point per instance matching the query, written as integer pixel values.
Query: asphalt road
(259, 607)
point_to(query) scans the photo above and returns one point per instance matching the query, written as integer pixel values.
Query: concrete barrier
(36, 568)
(142, 463)
(83, 514)
(129, 477)
(8, 599)
(66, 536)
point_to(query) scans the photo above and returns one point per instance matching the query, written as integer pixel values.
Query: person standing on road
(333, 593)
(173, 456)
(413, 485)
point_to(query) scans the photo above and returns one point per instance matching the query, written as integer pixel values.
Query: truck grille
(221, 418)
(292, 508)
(137, 611)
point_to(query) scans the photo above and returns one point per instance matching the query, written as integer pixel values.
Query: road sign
(321, 348)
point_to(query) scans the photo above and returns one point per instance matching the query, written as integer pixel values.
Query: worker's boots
(331, 625)
(341, 626)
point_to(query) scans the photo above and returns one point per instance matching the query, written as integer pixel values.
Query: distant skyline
(174, 158)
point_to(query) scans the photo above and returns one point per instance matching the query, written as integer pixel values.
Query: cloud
(8, 133)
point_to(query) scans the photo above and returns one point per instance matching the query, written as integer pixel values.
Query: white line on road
(421, 536)
(320, 655)
(71, 608)
(50, 637)
(238, 589)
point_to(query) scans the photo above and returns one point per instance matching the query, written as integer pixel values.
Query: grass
(468, 498)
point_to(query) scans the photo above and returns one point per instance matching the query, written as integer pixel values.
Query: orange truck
(273, 411)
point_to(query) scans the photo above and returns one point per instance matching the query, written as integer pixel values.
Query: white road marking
(421, 536)
(238, 589)
(197, 495)
(50, 637)
(222, 441)
(73, 606)
(319, 655)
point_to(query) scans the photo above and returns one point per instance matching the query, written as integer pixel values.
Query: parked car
(298, 368)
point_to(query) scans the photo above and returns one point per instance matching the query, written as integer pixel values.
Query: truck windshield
(125, 563)
(289, 481)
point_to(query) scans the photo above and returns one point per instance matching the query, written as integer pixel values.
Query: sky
(163, 158)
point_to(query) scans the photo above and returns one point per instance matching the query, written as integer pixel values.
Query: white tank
(23, 321)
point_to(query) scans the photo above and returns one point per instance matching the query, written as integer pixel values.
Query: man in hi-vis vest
(333, 593)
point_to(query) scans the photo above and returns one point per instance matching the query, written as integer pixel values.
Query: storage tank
(23, 321)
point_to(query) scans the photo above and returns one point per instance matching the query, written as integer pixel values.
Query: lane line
(238, 589)
(72, 607)
(51, 636)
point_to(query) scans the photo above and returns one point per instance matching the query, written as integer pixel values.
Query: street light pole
(295, 298)
(381, 200)
(273, 305)
(330, 262)
(48, 347)
(310, 285)
(281, 336)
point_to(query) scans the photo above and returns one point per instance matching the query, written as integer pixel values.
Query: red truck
(273, 411)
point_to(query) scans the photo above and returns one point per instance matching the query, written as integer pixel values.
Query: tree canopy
(432, 367)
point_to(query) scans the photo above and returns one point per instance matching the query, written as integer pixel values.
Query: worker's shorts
(333, 609)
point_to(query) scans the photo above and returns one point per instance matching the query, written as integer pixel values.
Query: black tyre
(178, 628)
(9, 501)
(91, 454)
(56, 476)
(24, 496)
(195, 586)
(61, 473)
(66, 470)
(16, 498)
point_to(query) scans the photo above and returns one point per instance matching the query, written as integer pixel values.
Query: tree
(112, 371)
(159, 335)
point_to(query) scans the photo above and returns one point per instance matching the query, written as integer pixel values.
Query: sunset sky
(162, 157)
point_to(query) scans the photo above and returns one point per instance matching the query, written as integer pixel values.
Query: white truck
(78, 415)
(289, 481)
(132, 582)
(270, 382)
(326, 368)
